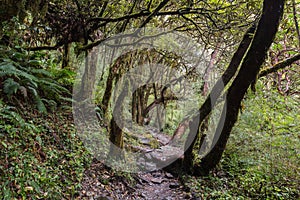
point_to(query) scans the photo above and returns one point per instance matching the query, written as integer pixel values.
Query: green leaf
(10, 86)
(40, 105)
(39, 139)
(4, 144)
(35, 62)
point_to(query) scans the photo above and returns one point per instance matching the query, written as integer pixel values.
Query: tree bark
(89, 76)
(66, 55)
(263, 38)
(216, 91)
(116, 133)
(108, 91)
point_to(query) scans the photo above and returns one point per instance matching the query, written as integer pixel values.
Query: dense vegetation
(253, 48)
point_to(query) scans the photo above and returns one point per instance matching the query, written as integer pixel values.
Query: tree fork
(263, 38)
(216, 91)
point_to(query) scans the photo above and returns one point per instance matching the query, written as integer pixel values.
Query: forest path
(101, 183)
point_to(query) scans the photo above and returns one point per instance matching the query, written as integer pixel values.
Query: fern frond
(40, 105)
(8, 69)
(33, 91)
(40, 72)
(54, 86)
(66, 99)
(10, 86)
(28, 76)
(34, 62)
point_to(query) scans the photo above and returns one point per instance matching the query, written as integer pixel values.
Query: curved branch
(157, 9)
(139, 39)
(145, 13)
(158, 101)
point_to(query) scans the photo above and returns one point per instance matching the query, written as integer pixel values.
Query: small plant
(24, 78)
(40, 157)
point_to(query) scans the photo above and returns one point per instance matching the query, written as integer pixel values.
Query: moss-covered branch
(280, 65)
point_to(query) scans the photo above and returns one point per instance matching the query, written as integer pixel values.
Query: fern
(33, 91)
(8, 69)
(10, 86)
(39, 103)
(40, 72)
(9, 116)
(53, 86)
(19, 73)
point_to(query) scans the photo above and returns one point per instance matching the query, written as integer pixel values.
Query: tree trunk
(140, 105)
(116, 133)
(66, 55)
(263, 38)
(134, 107)
(89, 76)
(216, 91)
(108, 91)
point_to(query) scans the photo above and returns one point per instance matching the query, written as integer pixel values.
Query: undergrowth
(40, 156)
(26, 77)
(262, 157)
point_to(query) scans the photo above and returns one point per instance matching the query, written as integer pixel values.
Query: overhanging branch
(157, 9)
(134, 34)
(280, 65)
(43, 48)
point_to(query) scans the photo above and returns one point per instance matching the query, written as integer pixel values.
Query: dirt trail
(160, 185)
(101, 183)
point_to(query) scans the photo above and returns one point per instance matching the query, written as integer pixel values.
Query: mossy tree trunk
(108, 91)
(263, 38)
(117, 123)
(206, 108)
(66, 55)
(139, 104)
